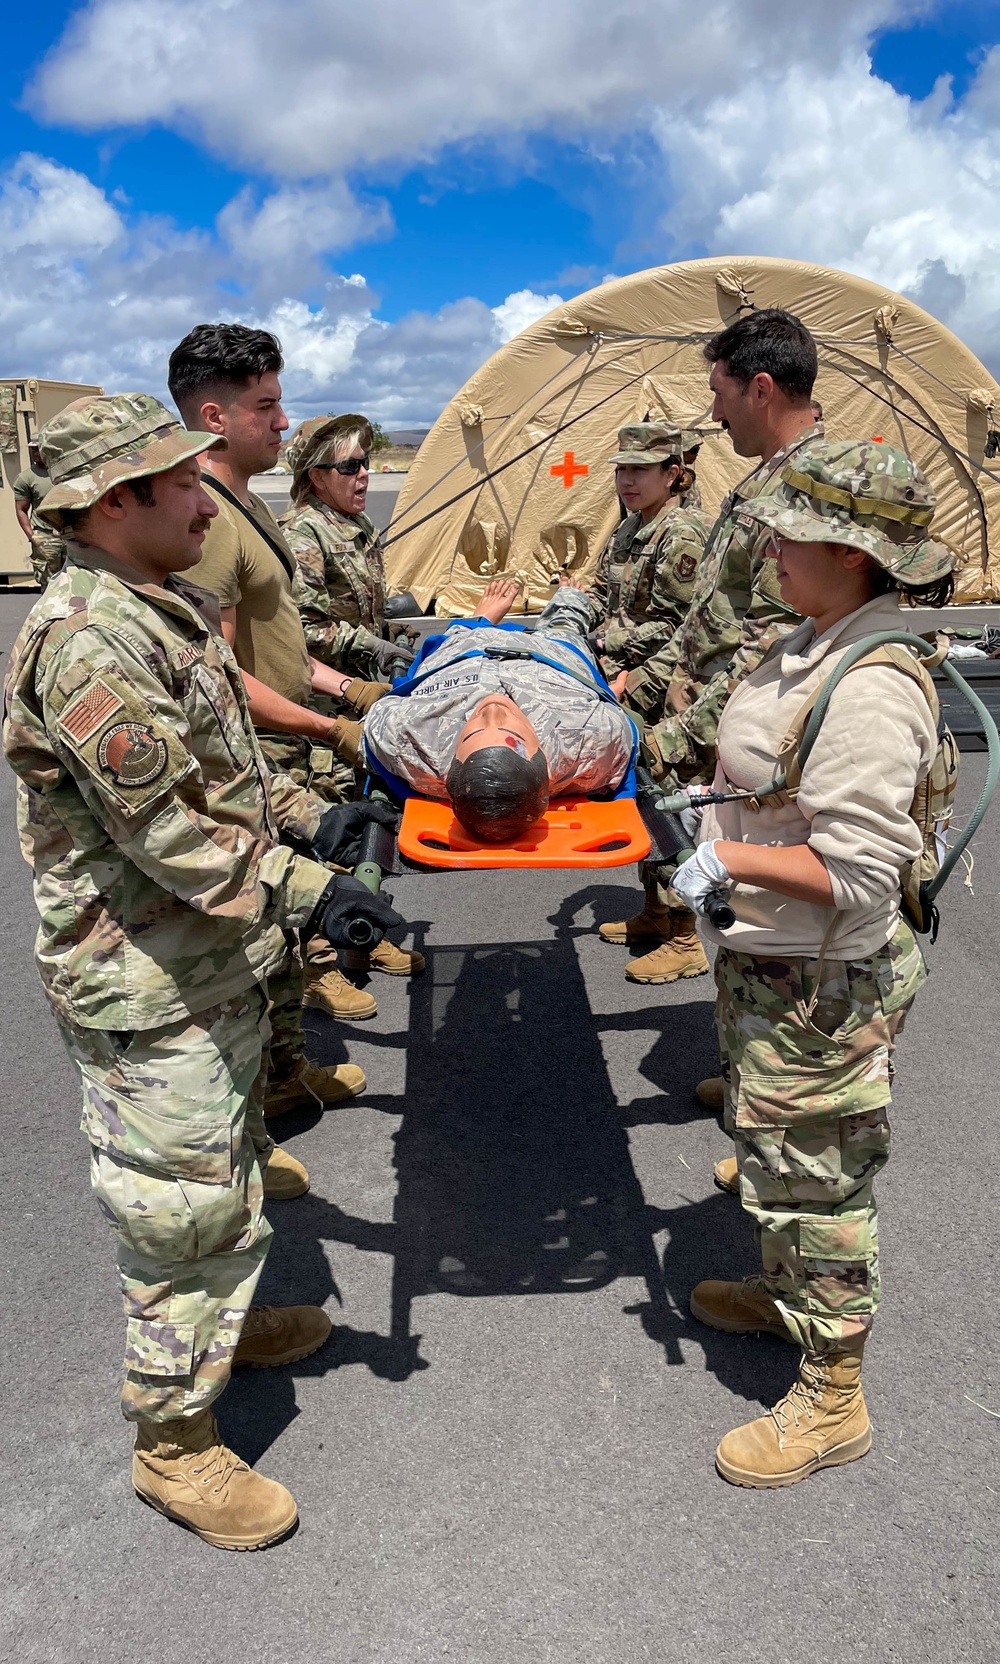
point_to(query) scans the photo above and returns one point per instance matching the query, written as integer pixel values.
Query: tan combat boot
(329, 990)
(681, 956)
(710, 1093)
(183, 1470)
(821, 1423)
(313, 1086)
(387, 958)
(653, 924)
(743, 1308)
(284, 1177)
(274, 1335)
(726, 1174)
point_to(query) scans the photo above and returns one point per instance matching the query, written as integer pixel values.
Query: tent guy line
(600, 338)
(547, 439)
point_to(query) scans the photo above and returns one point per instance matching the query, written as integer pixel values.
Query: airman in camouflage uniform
(763, 368)
(339, 588)
(47, 550)
(149, 817)
(644, 580)
(735, 617)
(807, 1040)
(339, 582)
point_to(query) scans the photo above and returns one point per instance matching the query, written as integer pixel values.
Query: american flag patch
(86, 714)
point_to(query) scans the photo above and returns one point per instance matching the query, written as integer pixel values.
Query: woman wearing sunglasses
(340, 575)
(820, 967)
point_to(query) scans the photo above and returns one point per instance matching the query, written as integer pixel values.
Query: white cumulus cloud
(299, 88)
(521, 309)
(738, 126)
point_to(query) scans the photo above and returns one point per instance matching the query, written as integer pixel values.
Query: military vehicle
(26, 404)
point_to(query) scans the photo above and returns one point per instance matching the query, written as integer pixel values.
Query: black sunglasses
(350, 464)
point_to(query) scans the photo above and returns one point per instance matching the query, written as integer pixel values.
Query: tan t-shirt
(239, 565)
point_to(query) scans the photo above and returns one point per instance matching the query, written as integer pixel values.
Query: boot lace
(798, 1403)
(755, 1285)
(217, 1463)
(259, 1320)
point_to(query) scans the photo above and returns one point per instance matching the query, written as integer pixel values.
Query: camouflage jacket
(644, 581)
(339, 584)
(735, 616)
(145, 807)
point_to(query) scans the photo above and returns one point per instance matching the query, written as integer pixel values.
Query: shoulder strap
(792, 752)
(283, 554)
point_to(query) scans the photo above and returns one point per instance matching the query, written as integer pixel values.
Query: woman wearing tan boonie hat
(820, 967)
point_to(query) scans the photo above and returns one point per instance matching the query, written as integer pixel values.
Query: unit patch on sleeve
(686, 567)
(86, 714)
(132, 754)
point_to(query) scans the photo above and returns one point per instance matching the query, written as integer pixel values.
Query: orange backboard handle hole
(573, 832)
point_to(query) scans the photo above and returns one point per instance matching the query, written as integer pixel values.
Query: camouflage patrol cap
(643, 443)
(97, 442)
(315, 441)
(864, 495)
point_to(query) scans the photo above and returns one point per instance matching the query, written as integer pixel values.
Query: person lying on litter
(498, 718)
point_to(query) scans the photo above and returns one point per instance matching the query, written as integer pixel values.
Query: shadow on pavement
(514, 1176)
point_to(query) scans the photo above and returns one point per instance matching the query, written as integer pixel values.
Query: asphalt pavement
(504, 1454)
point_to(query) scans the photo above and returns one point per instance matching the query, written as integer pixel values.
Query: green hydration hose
(680, 800)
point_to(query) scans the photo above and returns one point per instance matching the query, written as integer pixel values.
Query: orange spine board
(573, 832)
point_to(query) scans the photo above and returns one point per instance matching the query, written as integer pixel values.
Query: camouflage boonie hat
(97, 442)
(313, 439)
(643, 443)
(862, 494)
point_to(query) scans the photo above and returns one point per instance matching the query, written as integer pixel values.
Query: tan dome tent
(523, 447)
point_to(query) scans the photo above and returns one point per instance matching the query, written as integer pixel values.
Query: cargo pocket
(790, 1069)
(119, 1117)
(162, 1349)
(813, 1090)
(836, 1255)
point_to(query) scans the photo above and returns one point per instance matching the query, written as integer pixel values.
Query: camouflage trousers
(48, 555)
(175, 1121)
(807, 1068)
(288, 1042)
(316, 767)
(319, 770)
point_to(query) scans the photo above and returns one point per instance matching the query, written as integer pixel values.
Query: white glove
(701, 878)
(690, 819)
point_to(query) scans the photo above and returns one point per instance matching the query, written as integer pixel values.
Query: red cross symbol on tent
(569, 468)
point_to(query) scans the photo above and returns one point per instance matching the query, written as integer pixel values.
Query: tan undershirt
(238, 564)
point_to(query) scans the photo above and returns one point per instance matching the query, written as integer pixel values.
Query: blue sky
(440, 215)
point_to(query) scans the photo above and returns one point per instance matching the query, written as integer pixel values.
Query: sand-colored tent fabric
(632, 349)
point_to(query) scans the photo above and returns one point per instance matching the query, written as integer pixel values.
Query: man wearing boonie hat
(644, 580)
(817, 973)
(147, 812)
